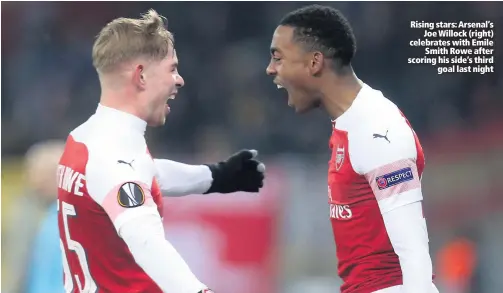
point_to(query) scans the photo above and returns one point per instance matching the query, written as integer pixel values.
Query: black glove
(240, 172)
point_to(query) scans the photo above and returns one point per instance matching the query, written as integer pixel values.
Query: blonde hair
(125, 39)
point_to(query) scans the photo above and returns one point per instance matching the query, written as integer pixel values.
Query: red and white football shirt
(375, 168)
(110, 207)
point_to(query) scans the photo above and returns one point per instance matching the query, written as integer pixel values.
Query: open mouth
(172, 97)
(280, 86)
(167, 109)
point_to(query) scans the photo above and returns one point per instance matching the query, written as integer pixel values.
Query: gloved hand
(206, 291)
(240, 172)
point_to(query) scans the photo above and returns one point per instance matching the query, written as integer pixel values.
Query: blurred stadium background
(280, 241)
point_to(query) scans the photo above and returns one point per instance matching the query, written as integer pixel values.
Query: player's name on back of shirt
(70, 180)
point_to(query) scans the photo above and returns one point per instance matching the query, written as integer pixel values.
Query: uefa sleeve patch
(130, 195)
(394, 178)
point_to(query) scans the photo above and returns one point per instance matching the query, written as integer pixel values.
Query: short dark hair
(324, 29)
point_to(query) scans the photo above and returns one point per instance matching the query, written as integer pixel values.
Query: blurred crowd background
(281, 241)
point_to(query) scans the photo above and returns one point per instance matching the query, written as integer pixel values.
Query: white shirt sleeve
(389, 163)
(178, 179)
(408, 234)
(123, 190)
(157, 257)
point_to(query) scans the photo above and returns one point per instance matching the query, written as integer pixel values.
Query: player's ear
(139, 76)
(316, 63)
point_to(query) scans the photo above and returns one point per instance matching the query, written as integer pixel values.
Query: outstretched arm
(240, 172)
(178, 179)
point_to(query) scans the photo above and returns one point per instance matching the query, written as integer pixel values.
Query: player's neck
(116, 100)
(339, 92)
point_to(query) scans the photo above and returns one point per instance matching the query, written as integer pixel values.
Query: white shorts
(398, 289)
